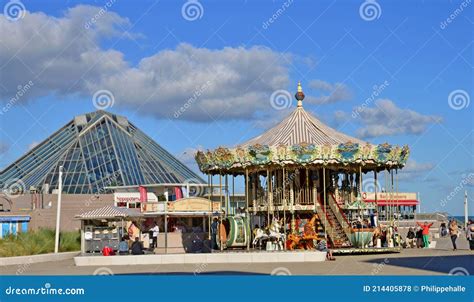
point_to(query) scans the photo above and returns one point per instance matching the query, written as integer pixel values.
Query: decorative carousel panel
(223, 159)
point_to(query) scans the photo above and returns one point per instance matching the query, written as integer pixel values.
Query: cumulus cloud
(414, 169)
(59, 55)
(329, 93)
(63, 56)
(386, 119)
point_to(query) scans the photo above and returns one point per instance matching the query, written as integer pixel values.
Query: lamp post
(58, 210)
(166, 220)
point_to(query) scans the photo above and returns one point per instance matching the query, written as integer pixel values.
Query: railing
(346, 226)
(328, 224)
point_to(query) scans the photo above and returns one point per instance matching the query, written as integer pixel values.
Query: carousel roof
(302, 139)
(301, 127)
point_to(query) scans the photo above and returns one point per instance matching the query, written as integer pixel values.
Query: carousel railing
(340, 216)
(328, 224)
(304, 197)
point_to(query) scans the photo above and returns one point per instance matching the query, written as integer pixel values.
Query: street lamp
(58, 210)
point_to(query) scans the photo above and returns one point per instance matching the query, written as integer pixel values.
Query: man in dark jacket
(137, 247)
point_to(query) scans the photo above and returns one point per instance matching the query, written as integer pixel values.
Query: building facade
(96, 150)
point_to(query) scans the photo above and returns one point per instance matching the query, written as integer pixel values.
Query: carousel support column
(220, 190)
(284, 203)
(360, 190)
(227, 208)
(233, 190)
(254, 192)
(396, 196)
(247, 213)
(392, 198)
(324, 202)
(307, 190)
(292, 204)
(375, 191)
(209, 183)
(314, 193)
(268, 198)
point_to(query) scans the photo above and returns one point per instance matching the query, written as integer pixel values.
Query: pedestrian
(419, 238)
(411, 238)
(470, 234)
(155, 230)
(453, 232)
(214, 226)
(425, 227)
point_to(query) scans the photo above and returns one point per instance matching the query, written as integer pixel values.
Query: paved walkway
(439, 261)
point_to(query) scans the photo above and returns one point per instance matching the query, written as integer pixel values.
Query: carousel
(304, 183)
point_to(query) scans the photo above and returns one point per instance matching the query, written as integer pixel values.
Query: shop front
(181, 226)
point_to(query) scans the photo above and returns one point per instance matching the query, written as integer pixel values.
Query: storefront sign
(132, 199)
(195, 204)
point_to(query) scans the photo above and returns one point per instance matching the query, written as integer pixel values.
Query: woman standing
(453, 232)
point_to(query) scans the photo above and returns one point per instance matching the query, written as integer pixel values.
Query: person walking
(426, 233)
(470, 234)
(453, 232)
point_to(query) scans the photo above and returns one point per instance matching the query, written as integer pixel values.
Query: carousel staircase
(334, 228)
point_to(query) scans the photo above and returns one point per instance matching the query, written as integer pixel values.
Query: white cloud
(414, 169)
(329, 93)
(32, 145)
(187, 157)
(62, 55)
(387, 119)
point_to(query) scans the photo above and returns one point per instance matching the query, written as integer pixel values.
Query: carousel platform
(220, 257)
(359, 251)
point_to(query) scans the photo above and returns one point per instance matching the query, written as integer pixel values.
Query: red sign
(143, 194)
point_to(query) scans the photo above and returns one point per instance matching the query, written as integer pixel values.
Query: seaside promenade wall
(71, 205)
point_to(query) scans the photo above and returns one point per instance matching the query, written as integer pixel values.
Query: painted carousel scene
(239, 138)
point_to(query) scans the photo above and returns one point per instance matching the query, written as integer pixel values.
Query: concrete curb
(25, 260)
(221, 258)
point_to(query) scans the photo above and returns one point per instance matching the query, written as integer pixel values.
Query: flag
(178, 193)
(143, 194)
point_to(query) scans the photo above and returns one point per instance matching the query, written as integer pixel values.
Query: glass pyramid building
(97, 150)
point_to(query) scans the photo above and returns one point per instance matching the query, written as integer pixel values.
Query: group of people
(454, 231)
(130, 243)
(419, 237)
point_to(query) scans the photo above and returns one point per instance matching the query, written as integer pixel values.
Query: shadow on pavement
(222, 273)
(440, 264)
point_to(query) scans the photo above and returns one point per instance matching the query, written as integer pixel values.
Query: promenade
(439, 261)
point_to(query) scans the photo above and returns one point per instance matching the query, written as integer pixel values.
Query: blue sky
(152, 57)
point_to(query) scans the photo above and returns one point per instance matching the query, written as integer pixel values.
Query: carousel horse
(259, 237)
(275, 234)
(377, 237)
(309, 233)
(294, 242)
(306, 240)
(390, 242)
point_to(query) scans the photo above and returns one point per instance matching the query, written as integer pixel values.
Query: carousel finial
(299, 95)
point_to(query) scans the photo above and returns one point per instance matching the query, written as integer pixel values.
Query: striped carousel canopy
(301, 127)
(302, 139)
(109, 212)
